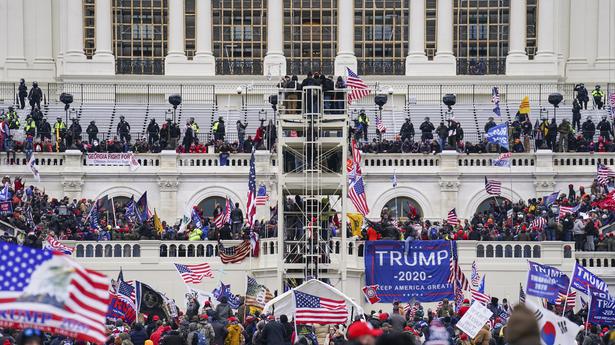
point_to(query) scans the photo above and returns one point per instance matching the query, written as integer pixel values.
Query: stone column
(15, 61)
(345, 38)
(204, 56)
(275, 62)
(168, 182)
(176, 62)
(445, 60)
(44, 37)
(416, 29)
(546, 30)
(517, 29)
(605, 53)
(104, 59)
(75, 62)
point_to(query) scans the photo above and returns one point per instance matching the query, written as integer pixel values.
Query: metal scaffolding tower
(312, 185)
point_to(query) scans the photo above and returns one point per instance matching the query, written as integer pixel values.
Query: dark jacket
(138, 337)
(172, 338)
(237, 215)
(273, 333)
(224, 311)
(220, 333)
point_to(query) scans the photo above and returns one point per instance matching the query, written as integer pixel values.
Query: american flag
(474, 276)
(456, 276)
(356, 193)
(58, 293)
(126, 291)
(319, 310)
(538, 223)
(261, 196)
(570, 301)
(521, 294)
(459, 297)
(257, 295)
(452, 217)
(193, 274)
(604, 174)
(231, 255)
(380, 125)
(356, 160)
(251, 204)
(503, 160)
(358, 89)
(612, 103)
(564, 210)
(480, 297)
(53, 244)
(493, 187)
(219, 218)
(495, 99)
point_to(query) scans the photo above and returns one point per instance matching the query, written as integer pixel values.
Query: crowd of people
(412, 324)
(538, 219)
(565, 136)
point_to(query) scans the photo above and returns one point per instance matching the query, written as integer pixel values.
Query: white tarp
(285, 305)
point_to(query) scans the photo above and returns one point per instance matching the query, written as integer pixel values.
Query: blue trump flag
(224, 290)
(582, 278)
(546, 282)
(498, 135)
(602, 308)
(142, 209)
(420, 273)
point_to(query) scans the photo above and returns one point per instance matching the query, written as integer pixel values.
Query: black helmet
(597, 86)
(92, 122)
(122, 117)
(35, 84)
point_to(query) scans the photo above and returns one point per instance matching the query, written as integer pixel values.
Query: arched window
(136, 251)
(486, 205)
(498, 251)
(79, 251)
(209, 205)
(489, 251)
(89, 251)
(536, 253)
(480, 251)
(567, 252)
(402, 206)
(127, 251)
(527, 251)
(117, 251)
(508, 251)
(517, 251)
(99, 251)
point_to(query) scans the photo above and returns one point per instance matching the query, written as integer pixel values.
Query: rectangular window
(139, 36)
(89, 27)
(239, 36)
(381, 36)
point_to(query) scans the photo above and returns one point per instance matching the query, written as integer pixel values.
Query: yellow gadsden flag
(524, 107)
(356, 223)
(157, 223)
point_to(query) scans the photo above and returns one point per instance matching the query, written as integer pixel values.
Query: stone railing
(597, 259)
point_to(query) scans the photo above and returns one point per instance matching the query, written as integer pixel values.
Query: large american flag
(358, 88)
(456, 275)
(604, 174)
(193, 274)
(480, 297)
(564, 210)
(53, 244)
(251, 204)
(319, 310)
(126, 292)
(493, 187)
(261, 196)
(452, 218)
(230, 255)
(224, 216)
(60, 295)
(356, 193)
(380, 125)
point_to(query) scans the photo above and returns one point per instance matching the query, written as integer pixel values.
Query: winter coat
(483, 337)
(234, 336)
(138, 337)
(224, 311)
(273, 333)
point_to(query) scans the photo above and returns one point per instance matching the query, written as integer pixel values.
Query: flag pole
(589, 307)
(295, 315)
(566, 300)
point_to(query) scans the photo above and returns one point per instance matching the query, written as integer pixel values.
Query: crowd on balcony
(583, 216)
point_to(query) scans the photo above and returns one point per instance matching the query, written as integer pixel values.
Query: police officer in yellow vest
(30, 126)
(598, 97)
(364, 123)
(194, 126)
(59, 130)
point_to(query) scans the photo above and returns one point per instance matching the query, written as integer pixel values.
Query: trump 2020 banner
(402, 272)
(602, 308)
(120, 309)
(545, 281)
(49, 291)
(582, 278)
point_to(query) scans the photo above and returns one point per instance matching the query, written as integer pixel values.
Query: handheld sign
(417, 271)
(474, 319)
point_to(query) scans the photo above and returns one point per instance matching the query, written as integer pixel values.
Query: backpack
(201, 339)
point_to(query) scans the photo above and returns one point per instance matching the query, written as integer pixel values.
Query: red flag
(371, 294)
